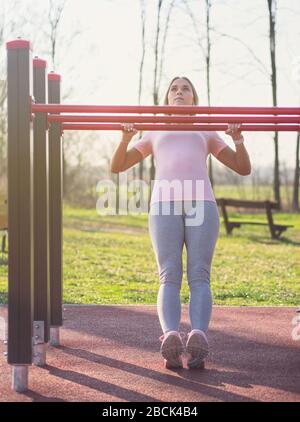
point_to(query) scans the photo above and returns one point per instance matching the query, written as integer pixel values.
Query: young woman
(181, 156)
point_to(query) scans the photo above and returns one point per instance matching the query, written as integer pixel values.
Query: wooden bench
(275, 229)
(3, 220)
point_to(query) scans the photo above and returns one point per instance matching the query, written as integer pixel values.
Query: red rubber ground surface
(111, 353)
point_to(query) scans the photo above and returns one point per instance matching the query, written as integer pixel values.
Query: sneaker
(197, 349)
(172, 349)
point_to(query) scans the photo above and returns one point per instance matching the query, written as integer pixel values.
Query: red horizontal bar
(168, 119)
(63, 108)
(183, 127)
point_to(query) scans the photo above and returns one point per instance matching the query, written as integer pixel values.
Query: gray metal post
(41, 216)
(20, 209)
(55, 209)
(20, 378)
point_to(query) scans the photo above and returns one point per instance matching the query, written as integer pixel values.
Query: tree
(143, 23)
(158, 61)
(272, 7)
(295, 200)
(207, 55)
(52, 33)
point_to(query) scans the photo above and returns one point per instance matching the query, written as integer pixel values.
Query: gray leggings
(195, 223)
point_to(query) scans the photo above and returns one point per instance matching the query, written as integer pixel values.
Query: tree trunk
(208, 6)
(143, 19)
(158, 65)
(118, 194)
(295, 202)
(272, 6)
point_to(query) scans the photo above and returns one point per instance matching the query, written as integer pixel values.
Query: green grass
(257, 193)
(110, 260)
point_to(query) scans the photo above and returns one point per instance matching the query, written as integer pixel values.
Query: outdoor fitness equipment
(36, 122)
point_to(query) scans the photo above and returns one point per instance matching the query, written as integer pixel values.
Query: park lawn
(110, 260)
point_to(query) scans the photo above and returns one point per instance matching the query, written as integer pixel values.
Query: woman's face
(180, 93)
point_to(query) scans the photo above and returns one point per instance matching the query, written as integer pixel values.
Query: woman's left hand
(234, 131)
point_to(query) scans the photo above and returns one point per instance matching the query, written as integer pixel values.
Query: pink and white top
(181, 156)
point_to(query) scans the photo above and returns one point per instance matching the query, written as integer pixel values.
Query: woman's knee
(198, 276)
(171, 274)
(171, 284)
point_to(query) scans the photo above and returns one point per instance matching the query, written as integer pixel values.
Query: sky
(101, 63)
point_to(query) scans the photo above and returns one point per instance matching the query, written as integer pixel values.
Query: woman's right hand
(128, 131)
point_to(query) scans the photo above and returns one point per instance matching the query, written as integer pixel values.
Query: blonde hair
(195, 95)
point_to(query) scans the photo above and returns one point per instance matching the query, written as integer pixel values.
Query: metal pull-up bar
(70, 108)
(172, 118)
(166, 127)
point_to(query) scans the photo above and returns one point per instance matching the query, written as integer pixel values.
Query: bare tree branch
(155, 88)
(54, 18)
(195, 25)
(164, 40)
(247, 47)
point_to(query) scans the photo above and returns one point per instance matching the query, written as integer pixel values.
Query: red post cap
(52, 76)
(18, 44)
(37, 62)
